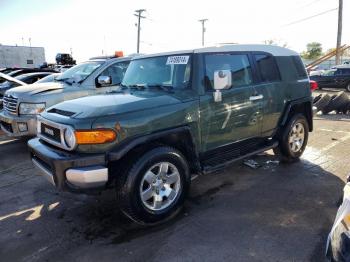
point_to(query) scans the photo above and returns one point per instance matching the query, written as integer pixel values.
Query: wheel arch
(300, 106)
(180, 138)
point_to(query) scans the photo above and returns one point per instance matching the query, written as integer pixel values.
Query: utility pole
(340, 25)
(203, 29)
(139, 16)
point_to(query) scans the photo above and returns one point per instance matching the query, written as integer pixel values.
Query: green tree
(313, 51)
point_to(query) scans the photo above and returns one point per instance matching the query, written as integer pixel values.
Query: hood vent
(61, 112)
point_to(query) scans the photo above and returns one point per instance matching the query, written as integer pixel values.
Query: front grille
(10, 104)
(50, 132)
(53, 133)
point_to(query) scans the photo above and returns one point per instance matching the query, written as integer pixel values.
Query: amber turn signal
(95, 136)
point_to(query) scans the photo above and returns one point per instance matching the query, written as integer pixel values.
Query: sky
(91, 28)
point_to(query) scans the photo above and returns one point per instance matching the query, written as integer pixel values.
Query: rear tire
(154, 187)
(293, 139)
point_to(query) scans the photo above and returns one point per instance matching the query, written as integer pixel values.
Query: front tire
(154, 187)
(293, 140)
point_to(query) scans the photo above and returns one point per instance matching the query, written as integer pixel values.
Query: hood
(110, 104)
(35, 88)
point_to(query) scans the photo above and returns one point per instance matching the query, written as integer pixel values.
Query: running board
(211, 169)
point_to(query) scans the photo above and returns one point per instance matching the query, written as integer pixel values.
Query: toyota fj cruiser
(178, 113)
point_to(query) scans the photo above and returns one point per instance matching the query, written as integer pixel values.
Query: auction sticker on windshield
(177, 60)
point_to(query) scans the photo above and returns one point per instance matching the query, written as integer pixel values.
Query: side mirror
(222, 80)
(104, 80)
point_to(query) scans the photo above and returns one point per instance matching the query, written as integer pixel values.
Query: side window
(116, 71)
(267, 68)
(238, 65)
(299, 66)
(343, 71)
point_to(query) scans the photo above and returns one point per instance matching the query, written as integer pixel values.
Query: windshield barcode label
(177, 60)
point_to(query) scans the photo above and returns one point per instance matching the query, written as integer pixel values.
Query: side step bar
(207, 170)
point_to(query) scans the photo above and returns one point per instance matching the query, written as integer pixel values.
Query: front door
(237, 116)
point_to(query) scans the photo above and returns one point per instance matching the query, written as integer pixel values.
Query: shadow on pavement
(274, 213)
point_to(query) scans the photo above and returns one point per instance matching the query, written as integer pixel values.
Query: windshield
(168, 71)
(80, 72)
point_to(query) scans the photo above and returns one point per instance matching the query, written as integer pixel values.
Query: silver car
(22, 104)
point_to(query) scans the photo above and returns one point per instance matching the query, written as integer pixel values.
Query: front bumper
(11, 124)
(80, 173)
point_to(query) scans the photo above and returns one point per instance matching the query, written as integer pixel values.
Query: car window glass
(239, 66)
(267, 68)
(299, 66)
(328, 73)
(116, 72)
(173, 71)
(343, 71)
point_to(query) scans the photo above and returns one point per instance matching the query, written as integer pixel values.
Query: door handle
(257, 97)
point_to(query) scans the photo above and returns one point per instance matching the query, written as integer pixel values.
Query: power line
(308, 4)
(310, 17)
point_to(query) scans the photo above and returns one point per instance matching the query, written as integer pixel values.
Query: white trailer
(21, 56)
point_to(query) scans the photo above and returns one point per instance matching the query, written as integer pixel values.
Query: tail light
(313, 85)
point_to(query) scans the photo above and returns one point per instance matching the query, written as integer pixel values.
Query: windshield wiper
(139, 87)
(162, 87)
(64, 80)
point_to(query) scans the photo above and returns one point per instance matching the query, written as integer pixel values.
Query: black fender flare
(128, 144)
(307, 104)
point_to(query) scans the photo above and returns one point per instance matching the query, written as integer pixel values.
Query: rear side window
(267, 67)
(238, 65)
(299, 66)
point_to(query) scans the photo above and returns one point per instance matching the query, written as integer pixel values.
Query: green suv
(176, 114)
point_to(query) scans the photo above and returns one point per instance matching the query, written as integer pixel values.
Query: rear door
(271, 89)
(236, 117)
(342, 77)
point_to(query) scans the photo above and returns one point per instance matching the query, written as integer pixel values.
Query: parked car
(338, 77)
(337, 248)
(29, 78)
(10, 79)
(64, 59)
(23, 104)
(20, 71)
(179, 113)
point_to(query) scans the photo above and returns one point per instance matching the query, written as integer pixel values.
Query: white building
(21, 56)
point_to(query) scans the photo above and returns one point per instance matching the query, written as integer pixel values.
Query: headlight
(69, 137)
(31, 109)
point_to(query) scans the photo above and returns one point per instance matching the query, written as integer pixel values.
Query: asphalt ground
(276, 212)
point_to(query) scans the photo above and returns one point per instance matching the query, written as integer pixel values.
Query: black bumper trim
(58, 161)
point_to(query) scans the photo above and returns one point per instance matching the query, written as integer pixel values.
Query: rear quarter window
(299, 67)
(267, 68)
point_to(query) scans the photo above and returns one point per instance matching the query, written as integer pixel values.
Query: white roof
(272, 49)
